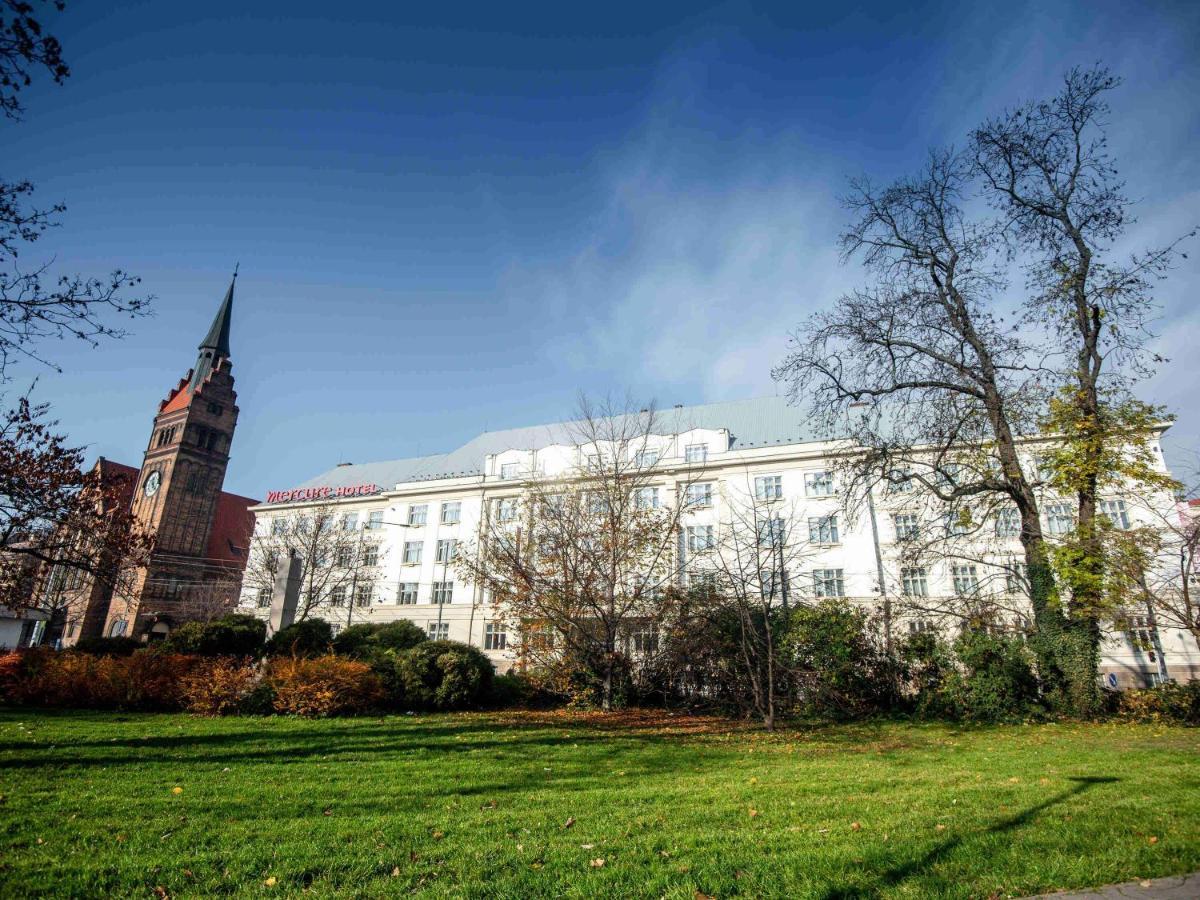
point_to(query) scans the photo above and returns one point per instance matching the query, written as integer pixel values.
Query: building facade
(201, 533)
(720, 460)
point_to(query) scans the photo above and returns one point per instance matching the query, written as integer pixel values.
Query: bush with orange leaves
(150, 681)
(220, 686)
(323, 686)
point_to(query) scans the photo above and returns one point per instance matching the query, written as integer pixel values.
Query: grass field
(549, 805)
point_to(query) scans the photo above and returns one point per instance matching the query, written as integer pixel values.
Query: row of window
(1060, 520)
(446, 551)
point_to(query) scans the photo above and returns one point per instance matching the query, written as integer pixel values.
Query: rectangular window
(412, 552)
(494, 636)
(1008, 522)
(646, 498)
(823, 530)
(771, 532)
(1115, 512)
(706, 581)
(919, 626)
(510, 470)
(344, 557)
(645, 638)
(350, 521)
(375, 520)
(914, 581)
(908, 527)
(645, 459)
(818, 484)
(699, 538)
(773, 582)
(768, 487)
(364, 594)
(278, 527)
(418, 514)
(337, 597)
(1015, 580)
(371, 555)
(966, 580)
(443, 592)
(900, 481)
(1060, 518)
(439, 631)
(699, 495)
(828, 583)
(695, 453)
(506, 509)
(447, 550)
(538, 636)
(264, 598)
(451, 513)
(406, 595)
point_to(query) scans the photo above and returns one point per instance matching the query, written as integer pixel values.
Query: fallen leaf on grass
(855, 826)
(491, 804)
(1153, 840)
(270, 882)
(664, 854)
(328, 812)
(753, 813)
(161, 891)
(177, 790)
(700, 895)
(597, 863)
(941, 827)
(570, 821)
(395, 871)
(438, 835)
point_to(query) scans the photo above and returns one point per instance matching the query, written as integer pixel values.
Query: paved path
(1177, 887)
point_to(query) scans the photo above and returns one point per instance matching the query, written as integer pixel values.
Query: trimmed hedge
(445, 675)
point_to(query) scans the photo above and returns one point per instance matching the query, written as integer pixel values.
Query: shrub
(445, 675)
(369, 639)
(108, 646)
(236, 634)
(1168, 704)
(145, 680)
(515, 690)
(219, 686)
(310, 637)
(838, 670)
(996, 679)
(323, 686)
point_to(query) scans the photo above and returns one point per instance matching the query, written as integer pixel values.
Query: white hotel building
(418, 510)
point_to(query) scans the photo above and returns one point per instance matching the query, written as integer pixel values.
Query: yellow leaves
(570, 821)
(1152, 840)
(940, 827)
(753, 813)
(177, 790)
(395, 871)
(597, 863)
(855, 826)
(438, 835)
(700, 895)
(754, 780)
(271, 882)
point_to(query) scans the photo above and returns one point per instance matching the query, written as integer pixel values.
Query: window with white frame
(914, 581)
(264, 598)
(768, 487)
(1115, 512)
(337, 597)
(695, 453)
(703, 580)
(303, 525)
(344, 558)
(1060, 518)
(773, 582)
(506, 509)
(494, 636)
(451, 512)
(900, 481)
(1043, 465)
(510, 470)
(1140, 631)
(645, 638)
(920, 626)
(818, 484)
(1008, 522)
(1016, 579)
(908, 526)
(538, 636)
(443, 592)
(406, 593)
(646, 498)
(957, 521)
(823, 530)
(364, 594)
(699, 494)
(771, 532)
(350, 521)
(447, 549)
(829, 583)
(371, 555)
(439, 631)
(966, 579)
(700, 538)
(279, 527)
(375, 520)
(645, 459)
(418, 513)
(412, 552)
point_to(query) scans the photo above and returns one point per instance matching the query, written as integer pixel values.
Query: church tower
(178, 491)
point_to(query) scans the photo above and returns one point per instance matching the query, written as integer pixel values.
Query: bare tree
(581, 560)
(339, 559)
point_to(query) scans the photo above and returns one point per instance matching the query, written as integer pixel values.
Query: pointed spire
(215, 345)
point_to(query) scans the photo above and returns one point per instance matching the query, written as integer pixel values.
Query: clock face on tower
(150, 488)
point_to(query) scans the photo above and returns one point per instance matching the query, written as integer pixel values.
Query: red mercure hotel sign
(322, 493)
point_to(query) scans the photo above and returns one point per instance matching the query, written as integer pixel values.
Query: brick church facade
(201, 533)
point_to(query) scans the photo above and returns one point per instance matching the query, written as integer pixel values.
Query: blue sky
(452, 218)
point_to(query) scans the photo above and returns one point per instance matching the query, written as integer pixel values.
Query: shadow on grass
(898, 874)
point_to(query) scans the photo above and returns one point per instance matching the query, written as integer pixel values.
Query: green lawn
(478, 806)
